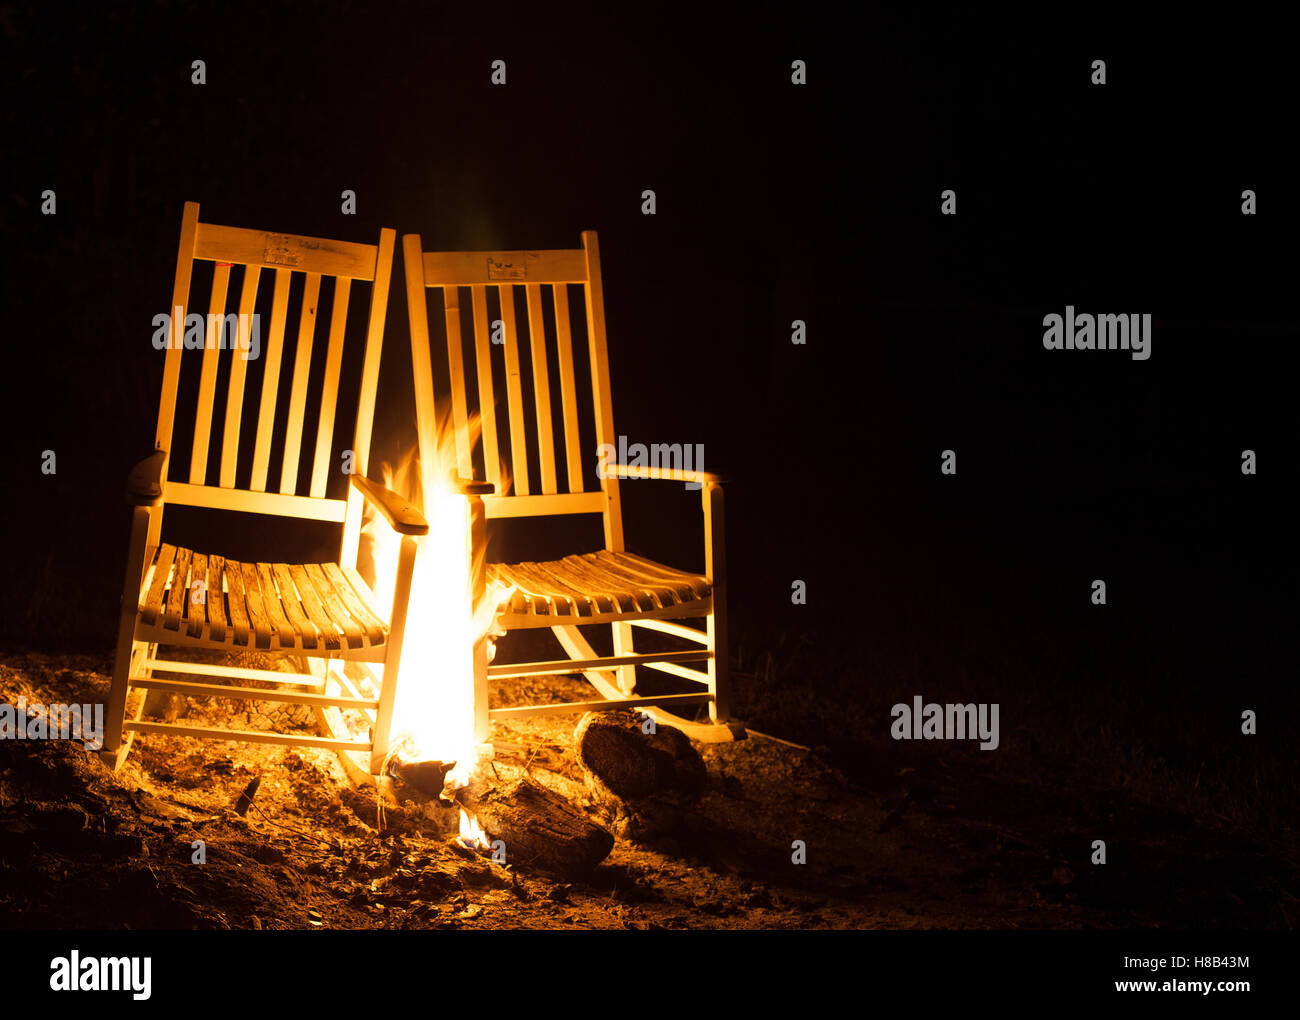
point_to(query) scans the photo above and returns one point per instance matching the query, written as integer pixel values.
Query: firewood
(539, 828)
(616, 749)
(429, 777)
(643, 781)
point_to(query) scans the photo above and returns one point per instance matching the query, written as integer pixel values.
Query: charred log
(642, 776)
(429, 777)
(539, 828)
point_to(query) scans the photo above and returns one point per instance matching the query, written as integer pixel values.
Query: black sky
(775, 202)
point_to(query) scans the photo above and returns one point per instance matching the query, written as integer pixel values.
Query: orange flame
(433, 711)
(471, 833)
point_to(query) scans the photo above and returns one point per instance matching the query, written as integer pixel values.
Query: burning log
(429, 777)
(540, 829)
(643, 777)
(421, 788)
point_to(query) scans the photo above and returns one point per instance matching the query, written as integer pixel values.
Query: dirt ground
(943, 842)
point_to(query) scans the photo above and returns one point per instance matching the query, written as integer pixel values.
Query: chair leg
(126, 645)
(382, 738)
(482, 719)
(623, 646)
(715, 556)
(478, 592)
(719, 677)
(115, 715)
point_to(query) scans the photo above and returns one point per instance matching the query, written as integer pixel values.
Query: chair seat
(311, 607)
(598, 584)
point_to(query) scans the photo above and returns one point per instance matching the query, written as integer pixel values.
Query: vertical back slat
(541, 387)
(456, 368)
(421, 359)
(180, 301)
(238, 372)
(600, 389)
(330, 393)
(208, 377)
(568, 391)
(298, 395)
(486, 401)
(374, 349)
(514, 392)
(274, 353)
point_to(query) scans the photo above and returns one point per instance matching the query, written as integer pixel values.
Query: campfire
(435, 747)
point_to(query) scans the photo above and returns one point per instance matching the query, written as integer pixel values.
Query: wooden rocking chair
(179, 597)
(611, 586)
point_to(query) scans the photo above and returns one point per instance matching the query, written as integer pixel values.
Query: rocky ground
(944, 841)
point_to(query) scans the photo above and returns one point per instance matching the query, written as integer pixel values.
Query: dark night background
(775, 202)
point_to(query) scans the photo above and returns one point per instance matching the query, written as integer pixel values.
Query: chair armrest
(401, 516)
(469, 487)
(662, 474)
(144, 485)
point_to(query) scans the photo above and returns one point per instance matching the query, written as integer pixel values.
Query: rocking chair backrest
(543, 281)
(251, 483)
